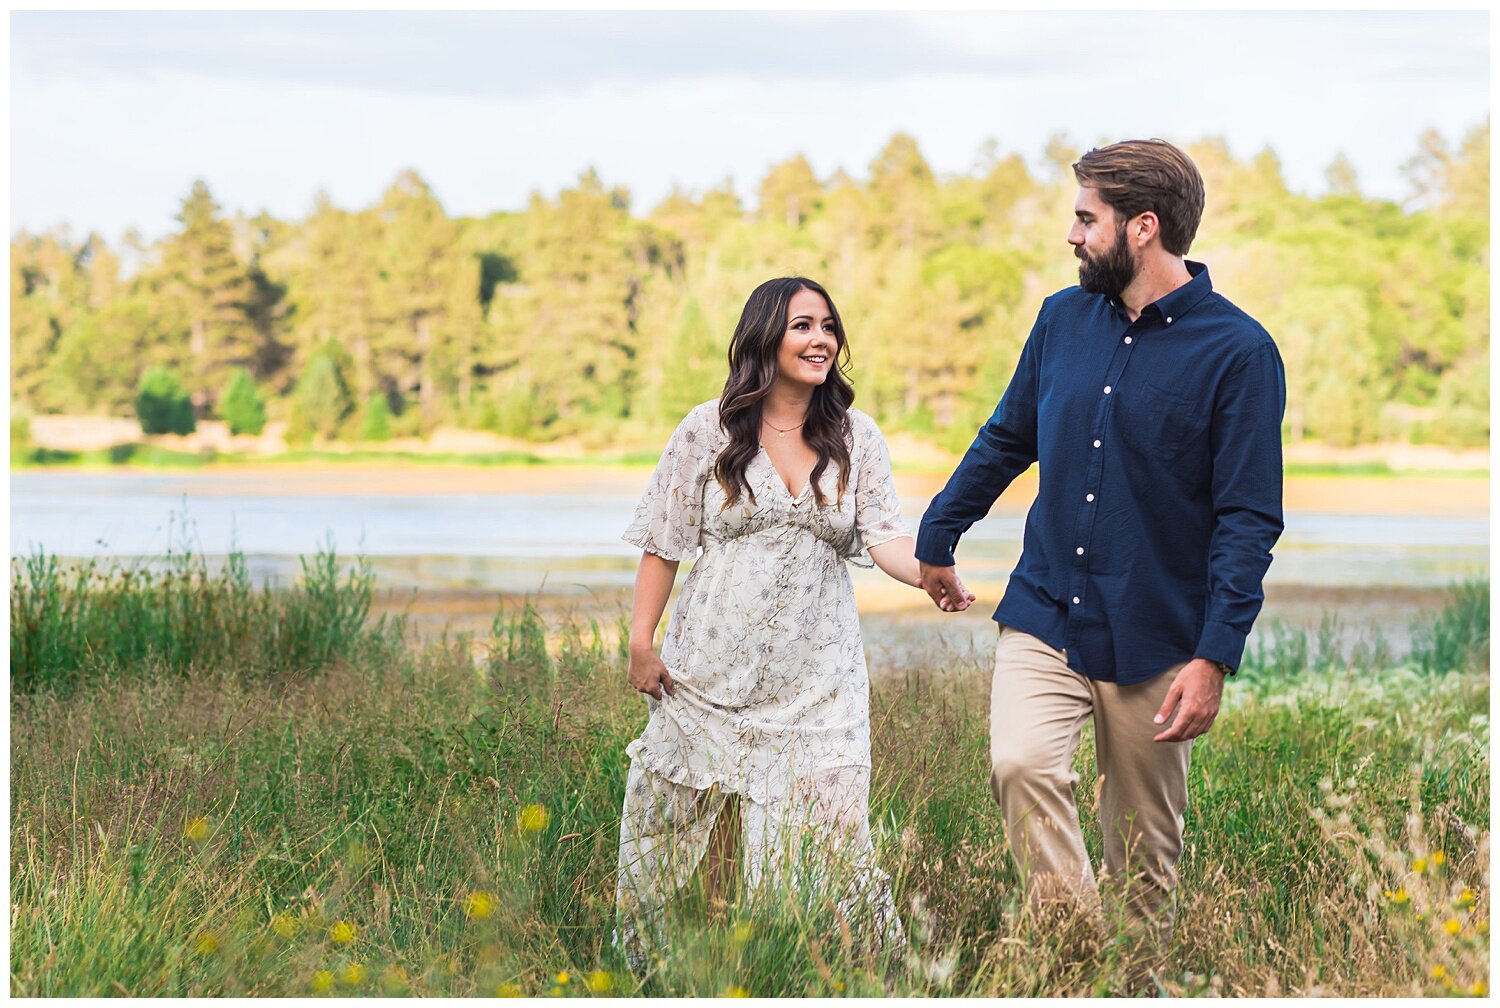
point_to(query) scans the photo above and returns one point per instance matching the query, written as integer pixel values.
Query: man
(1154, 408)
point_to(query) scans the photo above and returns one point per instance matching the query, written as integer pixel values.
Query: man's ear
(1144, 228)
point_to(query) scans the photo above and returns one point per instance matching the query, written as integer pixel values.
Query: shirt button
(1098, 443)
(1169, 320)
(1090, 498)
(1080, 551)
(1076, 600)
(1129, 339)
(1108, 389)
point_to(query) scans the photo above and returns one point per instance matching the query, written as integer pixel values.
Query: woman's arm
(898, 559)
(653, 584)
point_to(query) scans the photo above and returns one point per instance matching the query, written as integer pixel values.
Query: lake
(1373, 550)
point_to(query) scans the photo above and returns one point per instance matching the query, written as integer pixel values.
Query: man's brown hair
(1134, 176)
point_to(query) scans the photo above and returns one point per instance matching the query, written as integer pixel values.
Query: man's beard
(1109, 273)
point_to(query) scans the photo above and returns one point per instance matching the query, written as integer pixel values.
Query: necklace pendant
(781, 433)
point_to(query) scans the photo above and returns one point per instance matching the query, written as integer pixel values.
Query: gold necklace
(779, 432)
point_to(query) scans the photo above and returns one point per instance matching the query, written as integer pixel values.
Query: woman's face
(810, 343)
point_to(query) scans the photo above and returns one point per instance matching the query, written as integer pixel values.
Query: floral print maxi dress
(771, 694)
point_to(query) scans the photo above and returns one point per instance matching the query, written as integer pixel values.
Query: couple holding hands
(1153, 406)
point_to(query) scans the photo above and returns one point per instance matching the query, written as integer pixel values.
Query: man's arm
(1245, 441)
(1003, 449)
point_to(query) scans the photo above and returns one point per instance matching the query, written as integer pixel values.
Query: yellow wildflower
(479, 905)
(563, 978)
(555, 992)
(322, 981)
(394, 979)
(196, 830)
(342, 932)
(1399, 896)
(1478, 988)
(839, 986)
(508, 989)
(600, 982)
(1466, 898)
(1438, 972)
(1419, 865)
(354, 975)
(534, 818)
(1438, 859)
(735, 991)
(1483, 927)
(1452, 926)
(207, 944)
(285, 925)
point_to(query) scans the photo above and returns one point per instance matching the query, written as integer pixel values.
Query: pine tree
(241, 405)
(209, 292)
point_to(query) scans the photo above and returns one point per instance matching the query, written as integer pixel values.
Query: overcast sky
(114, 114)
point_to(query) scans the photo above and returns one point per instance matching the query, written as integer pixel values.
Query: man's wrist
(1222, 668)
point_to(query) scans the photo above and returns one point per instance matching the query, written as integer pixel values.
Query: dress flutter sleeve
(669, 518)
(877, 509)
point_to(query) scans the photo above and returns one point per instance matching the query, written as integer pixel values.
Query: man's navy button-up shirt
(1160, 493)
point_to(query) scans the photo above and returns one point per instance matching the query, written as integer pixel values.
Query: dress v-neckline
(796, 497)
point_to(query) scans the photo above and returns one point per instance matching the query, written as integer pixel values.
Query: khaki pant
(1038, 706)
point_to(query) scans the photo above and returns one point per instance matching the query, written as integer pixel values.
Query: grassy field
(218, 790)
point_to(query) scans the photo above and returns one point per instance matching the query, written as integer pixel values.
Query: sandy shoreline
(433, 611)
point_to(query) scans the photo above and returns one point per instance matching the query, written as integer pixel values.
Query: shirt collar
(1171, 307)
(1182, 300)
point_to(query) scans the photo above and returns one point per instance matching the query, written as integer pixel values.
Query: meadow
(219, 789)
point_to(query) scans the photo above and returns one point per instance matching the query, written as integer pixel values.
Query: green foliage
(72, 623)
(1456, 639)
(241, 405)
(20, 433)
(321, 399)
(577, 318)
(162, 405)
(375, 419)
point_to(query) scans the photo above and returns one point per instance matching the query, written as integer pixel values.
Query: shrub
(375, 419)
(162, 404)
(241, 406)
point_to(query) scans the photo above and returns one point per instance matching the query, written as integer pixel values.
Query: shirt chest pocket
(1168, 427)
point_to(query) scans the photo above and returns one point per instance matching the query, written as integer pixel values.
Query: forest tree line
(577, 318)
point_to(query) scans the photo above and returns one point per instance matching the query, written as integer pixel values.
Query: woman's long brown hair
(752, 373)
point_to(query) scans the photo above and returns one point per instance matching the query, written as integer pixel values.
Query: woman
(760, 689)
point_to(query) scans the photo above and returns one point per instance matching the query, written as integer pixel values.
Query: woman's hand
(648, 674)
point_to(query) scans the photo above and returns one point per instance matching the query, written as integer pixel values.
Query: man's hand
(944, 588)
(648, 674)
(1195, 694)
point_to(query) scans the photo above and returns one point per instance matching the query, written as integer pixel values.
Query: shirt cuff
(1221, 643)
(934, 547)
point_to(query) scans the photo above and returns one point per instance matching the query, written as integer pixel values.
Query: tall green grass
(72, 623)
(204, 829)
